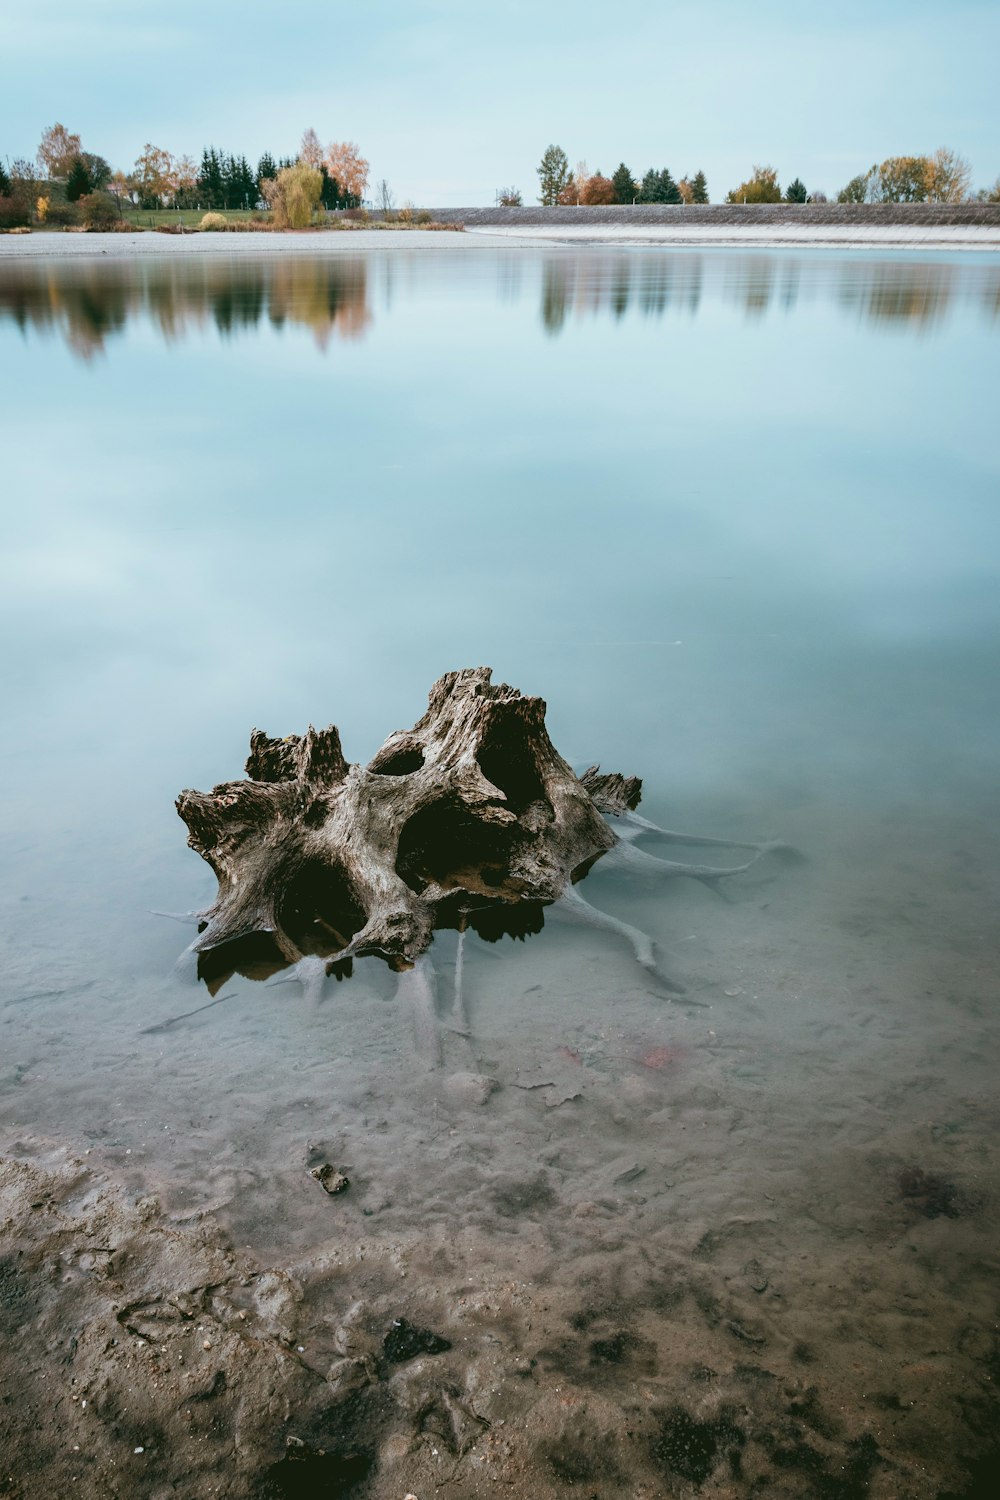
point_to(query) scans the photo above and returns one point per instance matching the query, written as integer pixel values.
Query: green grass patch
(186, 218)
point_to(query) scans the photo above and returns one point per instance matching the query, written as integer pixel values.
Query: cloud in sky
(450, 101)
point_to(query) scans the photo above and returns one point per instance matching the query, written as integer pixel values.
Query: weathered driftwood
(469, 819)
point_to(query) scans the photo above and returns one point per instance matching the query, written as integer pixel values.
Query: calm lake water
(735, 517)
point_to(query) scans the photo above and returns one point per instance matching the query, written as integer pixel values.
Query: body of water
(734, 516)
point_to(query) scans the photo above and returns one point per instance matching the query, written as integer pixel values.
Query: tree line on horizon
(944, 177)
(561, 184)
(67, 185)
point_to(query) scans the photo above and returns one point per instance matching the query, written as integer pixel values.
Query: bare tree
(310, 151)
(384, 197)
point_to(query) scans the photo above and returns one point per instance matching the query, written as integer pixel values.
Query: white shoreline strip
(764, 236)
(353, 242)
(234, 246)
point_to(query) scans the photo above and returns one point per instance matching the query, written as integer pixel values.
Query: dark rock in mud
(306, 1473)
(405, 1340)
(329, 1179)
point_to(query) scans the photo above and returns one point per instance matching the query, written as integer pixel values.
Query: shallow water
(735, 517)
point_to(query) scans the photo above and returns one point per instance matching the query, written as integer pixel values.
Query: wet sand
(741, 1239)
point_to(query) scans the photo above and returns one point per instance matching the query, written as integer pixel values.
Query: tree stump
(470, 817)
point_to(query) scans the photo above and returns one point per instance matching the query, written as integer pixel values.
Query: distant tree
(510, 198)
(293, 195)
(569, 195)
(385, 199)
(900, 179)
(186, 177)
(795, 192)
(331, 192)
(553, 175)
(210, 186)
(98, 170)
(120, 188)
(669, 191)
(153, 176)
(686, 190)
(310, 151)
(760, 187)
(818, 197)
(948, 177)
(597, 190)
(991, 195)
(659, 187)
(4, 181)
(78, 182)
(349, 168)
(57, 150)
(624, 184)
(699, 188)
(855, 191)
(266, 167)
(239, 185)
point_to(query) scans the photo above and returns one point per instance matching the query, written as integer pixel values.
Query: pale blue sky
(450, 99)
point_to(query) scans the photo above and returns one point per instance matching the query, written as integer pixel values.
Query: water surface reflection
(335, 298)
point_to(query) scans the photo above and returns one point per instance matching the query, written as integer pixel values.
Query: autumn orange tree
(597, 190)
(349, 169)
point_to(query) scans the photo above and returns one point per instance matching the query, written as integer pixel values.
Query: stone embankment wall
(731, 215)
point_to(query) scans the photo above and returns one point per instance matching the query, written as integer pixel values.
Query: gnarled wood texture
(469, 819)
(472, 808)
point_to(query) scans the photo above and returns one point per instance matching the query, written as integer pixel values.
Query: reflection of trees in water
(89, 303)
(900, 293)
(616, 284)
(653, 283)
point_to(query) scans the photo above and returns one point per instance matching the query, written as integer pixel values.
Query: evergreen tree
(795, 192)
(211, 189)
(650, 187)
(624, 184)
(553, 175)
(78, 183)
(669, 192)
(266, 167)
(239, 186)
(330, 193)
(699, 188)
(248, 184)
(4, 181)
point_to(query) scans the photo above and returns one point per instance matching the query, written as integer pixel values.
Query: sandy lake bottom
(734, 516)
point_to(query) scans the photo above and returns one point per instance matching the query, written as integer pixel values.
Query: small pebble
(206, 1344)
(138, 1450)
